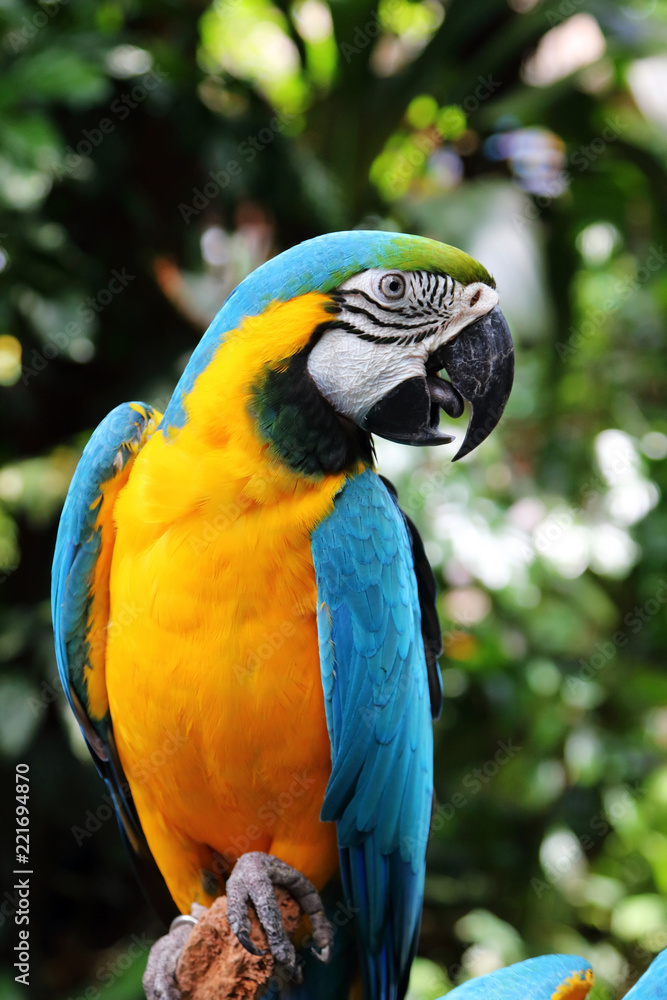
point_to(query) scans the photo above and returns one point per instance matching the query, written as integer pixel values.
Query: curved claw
(323, 954)
(250, 945)
(252, 881)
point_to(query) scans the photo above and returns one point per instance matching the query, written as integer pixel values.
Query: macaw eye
(393, 285)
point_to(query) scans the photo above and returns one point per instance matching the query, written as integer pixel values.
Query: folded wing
(80, 609)
(378, 710)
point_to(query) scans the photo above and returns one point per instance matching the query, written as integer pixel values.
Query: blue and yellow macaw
(556, 977)
(245, 621)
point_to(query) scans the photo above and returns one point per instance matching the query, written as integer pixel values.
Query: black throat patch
(302, 426)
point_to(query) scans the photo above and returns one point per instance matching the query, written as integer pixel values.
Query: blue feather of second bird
(653, 984)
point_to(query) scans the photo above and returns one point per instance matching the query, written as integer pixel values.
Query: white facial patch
(390, 323)
(353, 374)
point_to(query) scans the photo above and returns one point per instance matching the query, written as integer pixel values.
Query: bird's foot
(160, 976)
(252, 881)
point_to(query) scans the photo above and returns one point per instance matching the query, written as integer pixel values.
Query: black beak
(480, 365)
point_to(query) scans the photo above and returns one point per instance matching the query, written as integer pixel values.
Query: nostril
(475, 299)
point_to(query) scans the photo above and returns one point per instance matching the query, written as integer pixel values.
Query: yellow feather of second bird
(213, 678)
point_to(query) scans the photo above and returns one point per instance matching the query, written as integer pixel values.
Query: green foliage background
(550, 542)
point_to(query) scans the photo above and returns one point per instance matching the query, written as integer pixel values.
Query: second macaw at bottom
(556, 977)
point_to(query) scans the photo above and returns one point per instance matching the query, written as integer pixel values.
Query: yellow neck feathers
(217, 466)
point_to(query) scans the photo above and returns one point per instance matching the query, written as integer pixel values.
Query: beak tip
(465, 449)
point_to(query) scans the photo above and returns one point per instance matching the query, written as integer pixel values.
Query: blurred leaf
(56, 74)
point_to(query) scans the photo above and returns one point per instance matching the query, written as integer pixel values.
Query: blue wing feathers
(78, 545)
(378, 712)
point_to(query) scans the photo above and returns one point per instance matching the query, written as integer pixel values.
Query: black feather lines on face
(304, 429)
(417, 319)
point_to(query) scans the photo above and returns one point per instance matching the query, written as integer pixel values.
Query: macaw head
(393, 332)
(371, 333)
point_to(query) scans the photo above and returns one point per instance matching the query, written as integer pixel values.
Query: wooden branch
(215, 966)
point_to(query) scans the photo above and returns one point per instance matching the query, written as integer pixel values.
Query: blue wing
(80, 604)
(85, 537)
(378, 714)
(549, 977)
